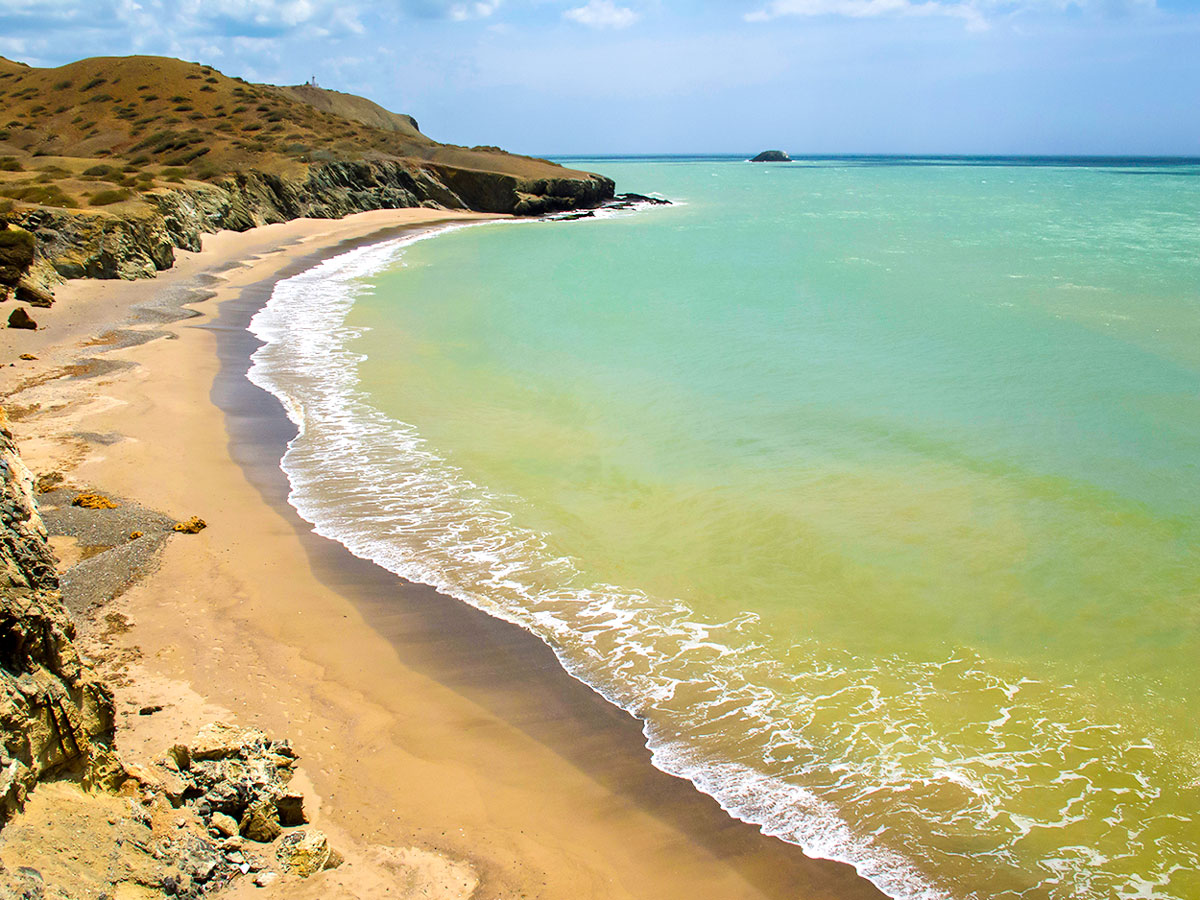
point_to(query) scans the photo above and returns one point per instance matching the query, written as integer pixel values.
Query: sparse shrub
(184, 158)
(139, 160)
(105, 198)
(208, 89)
(239, 109)
(44, 194)
(100, 98)
(62, 85)
(150, 98)
(16, 247)
(94, 83)
(179, 98)
(61, 110)
(252, 126)
(184, 107)
(10, 164)
(98, 171)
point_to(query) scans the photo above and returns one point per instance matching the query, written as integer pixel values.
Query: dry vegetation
(102, 132)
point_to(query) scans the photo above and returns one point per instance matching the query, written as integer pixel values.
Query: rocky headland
(114, 164)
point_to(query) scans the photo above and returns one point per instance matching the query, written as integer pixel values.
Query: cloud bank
(602, 14)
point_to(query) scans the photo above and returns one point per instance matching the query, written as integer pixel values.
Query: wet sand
(420, 721)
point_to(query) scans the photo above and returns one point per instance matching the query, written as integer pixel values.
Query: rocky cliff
(56, 717)
(137, 243)
(119, 161)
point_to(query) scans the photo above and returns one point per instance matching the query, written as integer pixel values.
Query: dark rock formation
(240, 774)
(772, 156)
(56, 717)
(33, 295)
(104, 245)
(16, 256)
(20, 318)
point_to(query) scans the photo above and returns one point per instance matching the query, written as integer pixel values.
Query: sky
(558, 77)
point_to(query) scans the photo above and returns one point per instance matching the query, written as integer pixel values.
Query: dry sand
(448, 751)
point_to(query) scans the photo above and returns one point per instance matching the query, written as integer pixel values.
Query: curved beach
(420, 722)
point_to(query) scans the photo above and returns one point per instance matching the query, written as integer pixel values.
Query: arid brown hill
(141, 139)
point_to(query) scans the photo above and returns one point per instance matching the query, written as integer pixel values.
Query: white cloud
(602, 14)
(480, 9)
(974, 13)
(863, 9)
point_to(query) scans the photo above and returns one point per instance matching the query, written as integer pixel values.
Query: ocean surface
(872, 486)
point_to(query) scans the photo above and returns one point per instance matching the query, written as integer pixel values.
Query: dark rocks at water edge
(621, 201)
(772, 156)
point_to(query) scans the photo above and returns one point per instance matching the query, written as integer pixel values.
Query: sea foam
(685, 677)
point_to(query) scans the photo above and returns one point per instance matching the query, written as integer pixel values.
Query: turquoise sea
(872, 486)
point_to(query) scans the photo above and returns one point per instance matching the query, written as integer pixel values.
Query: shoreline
(420, 720)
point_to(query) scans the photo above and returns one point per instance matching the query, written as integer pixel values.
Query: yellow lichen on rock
(134, 535)
(191, 526)
(94, 501)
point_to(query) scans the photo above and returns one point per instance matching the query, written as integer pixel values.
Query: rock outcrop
(98, 244)
(20, 318)
(56, 717)
(772, 156)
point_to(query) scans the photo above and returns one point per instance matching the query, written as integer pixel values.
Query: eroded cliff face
(56, 717)
(136, 245)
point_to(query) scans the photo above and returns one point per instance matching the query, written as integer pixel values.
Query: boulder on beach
(305, 853)
(20, 318)
(34, 295)
(772, 156)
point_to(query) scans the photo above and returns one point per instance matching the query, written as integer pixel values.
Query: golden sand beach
(448, 753)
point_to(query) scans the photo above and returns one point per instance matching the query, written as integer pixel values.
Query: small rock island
(772, 156)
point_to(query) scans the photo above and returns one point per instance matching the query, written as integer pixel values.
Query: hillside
(176, 148)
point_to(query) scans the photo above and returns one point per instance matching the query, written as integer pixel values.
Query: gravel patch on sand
(109, 559)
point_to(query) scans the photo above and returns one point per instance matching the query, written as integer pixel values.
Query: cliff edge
(56, 717)
(114, 163)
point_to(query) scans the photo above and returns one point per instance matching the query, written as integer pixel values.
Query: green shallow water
(896, 469)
